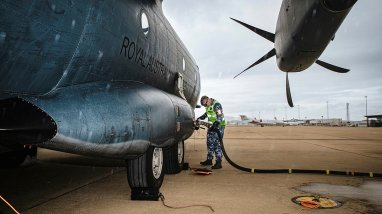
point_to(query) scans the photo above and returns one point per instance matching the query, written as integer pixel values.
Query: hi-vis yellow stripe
(371, 174)
(290, 171)
(328, 172)
(253, 170)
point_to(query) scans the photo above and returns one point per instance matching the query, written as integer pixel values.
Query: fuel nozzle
(198, 124)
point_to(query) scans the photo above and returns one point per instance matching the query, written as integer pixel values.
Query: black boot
(206, 163)
(218, 165)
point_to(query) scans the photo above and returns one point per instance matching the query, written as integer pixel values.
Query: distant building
(374, 120)
(326, 122)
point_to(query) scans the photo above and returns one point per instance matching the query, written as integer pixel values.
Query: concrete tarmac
(65, 183)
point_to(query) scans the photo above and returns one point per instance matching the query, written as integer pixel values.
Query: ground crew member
(214, 112)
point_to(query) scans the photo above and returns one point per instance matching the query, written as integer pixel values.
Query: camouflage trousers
(213, 144)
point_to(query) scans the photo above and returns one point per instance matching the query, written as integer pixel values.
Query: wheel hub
(180, 152)
(157, 163)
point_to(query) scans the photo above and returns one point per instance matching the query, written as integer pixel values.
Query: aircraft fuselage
(73, 42)
(109, 80)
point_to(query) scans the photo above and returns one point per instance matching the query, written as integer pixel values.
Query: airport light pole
(347, 112)
(366, 104)
(327, 110)
(367, 119)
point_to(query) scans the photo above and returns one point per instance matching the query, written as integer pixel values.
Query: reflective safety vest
(211, 114)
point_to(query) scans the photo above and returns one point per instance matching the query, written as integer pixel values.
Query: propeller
(266, 35)
(332, 67)
(262, 59)
(271, 37)
(289, 95)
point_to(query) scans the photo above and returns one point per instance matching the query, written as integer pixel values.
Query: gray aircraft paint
(109, 86)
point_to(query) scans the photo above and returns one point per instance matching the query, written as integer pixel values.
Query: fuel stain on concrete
(370, 191)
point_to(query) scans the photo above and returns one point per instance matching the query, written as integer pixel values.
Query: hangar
(374, 120)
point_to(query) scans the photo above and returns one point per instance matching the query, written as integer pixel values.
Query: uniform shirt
(218, 109)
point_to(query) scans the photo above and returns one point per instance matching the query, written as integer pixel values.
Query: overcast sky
(223, 48)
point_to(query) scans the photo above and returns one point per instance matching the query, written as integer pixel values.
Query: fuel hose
(290, 171)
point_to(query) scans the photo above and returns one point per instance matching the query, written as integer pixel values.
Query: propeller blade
(332, 67)
(289, 95)
(262, 59)
(267, 35)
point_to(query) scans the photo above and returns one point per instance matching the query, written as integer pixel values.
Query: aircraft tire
(15, 158)
(146, 171)
(174, 158)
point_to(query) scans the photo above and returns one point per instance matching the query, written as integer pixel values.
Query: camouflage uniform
(213, 144)
(214, 114)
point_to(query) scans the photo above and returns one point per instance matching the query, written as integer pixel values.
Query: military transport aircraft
(98, 78)
(304, 29)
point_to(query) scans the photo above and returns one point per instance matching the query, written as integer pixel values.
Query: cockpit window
(144, 23)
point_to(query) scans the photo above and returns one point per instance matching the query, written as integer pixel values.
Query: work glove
(215, 125)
